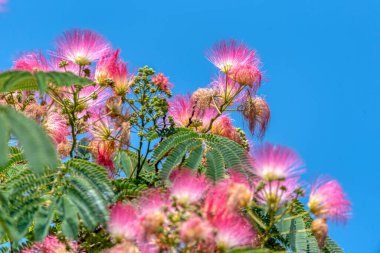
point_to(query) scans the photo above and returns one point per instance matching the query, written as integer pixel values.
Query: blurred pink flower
(276, 193)
(51, 244)
(123, 222)
(328, 200)
(188, 187)
(56, 126)
(181, 109)
(81, 46)
(104, 150)
(32, 61)
(228, 54)
(195, 229)
(273, 162)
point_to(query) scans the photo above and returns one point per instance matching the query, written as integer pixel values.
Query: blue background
(321, 61)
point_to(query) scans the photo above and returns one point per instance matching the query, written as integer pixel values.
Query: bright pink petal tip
(272, 162)
(188, 187)
(81, 46)
(228, 54)
(32, 61)
(328, 200)
(123, 221)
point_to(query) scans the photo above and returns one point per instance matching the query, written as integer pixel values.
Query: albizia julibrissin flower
(256, 111)
(328, 200)
(51, 244)
(32, 61)
(81, 46)
(123, 222)
(228, 54)
(203, 98)
(248, 74)
(274, 162)
(162, 82)
(182, 110)
(188, 187)
(57, 127)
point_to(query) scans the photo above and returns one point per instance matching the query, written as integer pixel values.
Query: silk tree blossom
(51, 244)
(103, 151)
(274, 162)
(223, 126)
(328, 200)
(162, 82)
(196, 229)
(228, 54)
(188, 187)
(32, 61)
(276, 193)
(182, 110)
(256, 111)
(249, 75)
(57, 127)
(233, 231)
(123, 222)
(203, 98)
(81, 46)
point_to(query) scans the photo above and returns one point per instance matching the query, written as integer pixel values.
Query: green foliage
(187, 148)
(25, 80)
(79, 192)
(38, 148)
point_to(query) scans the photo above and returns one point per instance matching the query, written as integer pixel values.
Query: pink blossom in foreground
(276, 193)
(256, 111)
(162, 82)
(81, 46)
(228, 54)
(56, 126)
(32, 61)
(181, 109)
(274, 162)
(51, 244)
(195, 229)
(233, 231)
(123, 221)
(103, 151)
(328, 200)
(188, 187)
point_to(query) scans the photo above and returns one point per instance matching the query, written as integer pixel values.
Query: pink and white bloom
(256, 111)
(32, 61)
(276, 193)
(233, 231)
(195, 229)
(228, 54)
(273, 162)
(56, 126)
(162, 82)
(181, 109)
(328, 200)
(188, 187)
(51, 244)
(248, 74)
(123, 222)
(81, 46)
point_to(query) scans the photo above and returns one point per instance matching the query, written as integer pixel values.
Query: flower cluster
(51, 244)
(192, 214)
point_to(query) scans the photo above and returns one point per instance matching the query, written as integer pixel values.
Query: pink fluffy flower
(276, 193)
(273, 162)
(162, 82)
(188, 187)
(56, 126)
(247, 75)
(104, 150)
(228, 54)
(223, 126)
(32, 61)
(51, 244)
(233, 231)
(195, 229)
(181, 109)
(328, 200)
(123, 222)
(256, 111)
(81, 46)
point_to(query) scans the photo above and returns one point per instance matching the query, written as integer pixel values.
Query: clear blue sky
(321, 60)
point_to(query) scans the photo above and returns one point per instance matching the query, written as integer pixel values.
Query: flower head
(272, 162)
(103, 150)
(56, 126)
(248, 74)
(328, 200)
(202, 98)
(188, 187)
(123, 222)
(32, 61)
(195, 229)
(162, 82)
(228, 54)
(181, 109)
(51, 244)
(106, 67)
(256, 111)
(81, 46)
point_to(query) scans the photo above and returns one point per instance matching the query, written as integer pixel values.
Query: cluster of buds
(191, 214)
